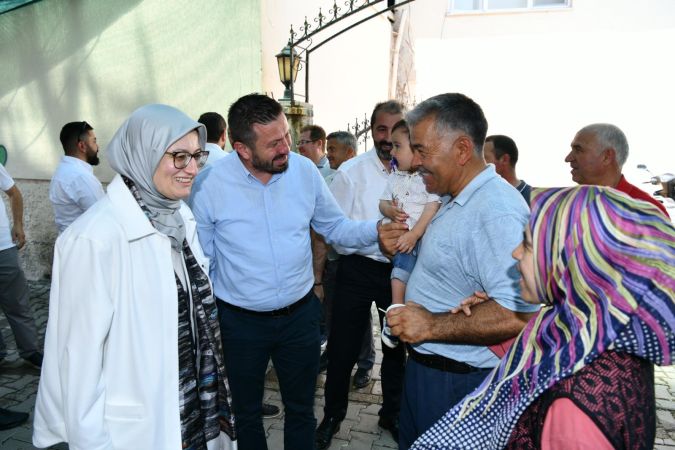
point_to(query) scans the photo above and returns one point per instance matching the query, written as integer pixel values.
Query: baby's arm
(389, 209)
(407, 242)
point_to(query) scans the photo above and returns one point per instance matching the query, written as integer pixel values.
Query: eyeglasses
(305, 142)
(181, 159)
(83, 130)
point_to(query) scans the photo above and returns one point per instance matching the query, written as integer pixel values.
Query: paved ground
(359, 431)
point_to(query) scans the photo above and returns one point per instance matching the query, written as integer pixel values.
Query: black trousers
(360, 281)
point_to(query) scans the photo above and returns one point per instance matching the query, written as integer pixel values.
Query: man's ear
(465, 149)
(505, 159)
(608, 156)
(243, 150)
(81, 147)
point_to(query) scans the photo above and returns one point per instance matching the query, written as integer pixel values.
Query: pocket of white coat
(124, 412)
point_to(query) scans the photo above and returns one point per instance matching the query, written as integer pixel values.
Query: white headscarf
(135, 152)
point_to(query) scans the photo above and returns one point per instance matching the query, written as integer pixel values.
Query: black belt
(445, 364)
(285, 311)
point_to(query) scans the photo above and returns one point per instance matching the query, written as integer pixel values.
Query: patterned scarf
(205, 409)
(605, 266)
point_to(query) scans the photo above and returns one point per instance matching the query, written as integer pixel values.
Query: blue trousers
(427, 395)
(292, 342)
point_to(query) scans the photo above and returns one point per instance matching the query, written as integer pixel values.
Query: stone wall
(38, 219)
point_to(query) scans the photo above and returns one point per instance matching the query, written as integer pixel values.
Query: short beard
(93, 159)
(381, 153)
(268, 166)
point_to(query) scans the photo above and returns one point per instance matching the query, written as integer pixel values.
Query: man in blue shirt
(254, 209)
(466, 248)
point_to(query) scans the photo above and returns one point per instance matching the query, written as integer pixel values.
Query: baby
(405, 200)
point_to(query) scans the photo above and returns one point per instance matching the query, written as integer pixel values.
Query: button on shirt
(466, 248)
(6, 183)
(73, 189)
(357, 187)
(257, 235)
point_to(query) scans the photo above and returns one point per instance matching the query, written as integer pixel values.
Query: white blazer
(110, 372)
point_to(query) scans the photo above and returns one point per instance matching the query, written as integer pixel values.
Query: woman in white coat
(133, 356)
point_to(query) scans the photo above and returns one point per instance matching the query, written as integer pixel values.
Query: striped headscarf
(605, 268)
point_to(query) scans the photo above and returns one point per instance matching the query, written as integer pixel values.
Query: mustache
(384, 142)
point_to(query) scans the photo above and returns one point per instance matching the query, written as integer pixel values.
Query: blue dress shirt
(257, 235)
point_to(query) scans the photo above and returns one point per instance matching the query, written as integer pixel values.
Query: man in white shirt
(363, 276)
(216, 135)
(13, 287)
(74, 187)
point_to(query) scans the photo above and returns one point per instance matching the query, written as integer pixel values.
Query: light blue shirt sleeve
(257, 235)
(330, 222)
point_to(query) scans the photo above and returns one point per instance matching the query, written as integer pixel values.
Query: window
(478, 6)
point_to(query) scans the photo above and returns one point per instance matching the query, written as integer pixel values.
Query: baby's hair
(403, 125)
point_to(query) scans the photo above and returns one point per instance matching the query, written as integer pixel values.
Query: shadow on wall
(37, 39)
(52, 32)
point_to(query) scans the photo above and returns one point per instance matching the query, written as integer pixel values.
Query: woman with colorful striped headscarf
(580, 374)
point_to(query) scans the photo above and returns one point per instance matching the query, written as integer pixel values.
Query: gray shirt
(466, 248)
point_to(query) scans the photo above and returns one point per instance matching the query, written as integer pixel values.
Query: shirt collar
(372, 154)
(322, 162)
(478, 181)
(77, 162)
(623, 184)
(250, 178)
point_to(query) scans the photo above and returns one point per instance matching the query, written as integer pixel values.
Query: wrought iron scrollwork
(302, 40)
(335, 11)
(305, 27)
(360, 130)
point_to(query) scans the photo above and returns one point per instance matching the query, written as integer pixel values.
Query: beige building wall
(71, 60)
(540, 76)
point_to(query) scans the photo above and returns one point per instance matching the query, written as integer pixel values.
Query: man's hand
(18, 236)
(411, 324)
(318, 291)
(466, 304)
(388, 235)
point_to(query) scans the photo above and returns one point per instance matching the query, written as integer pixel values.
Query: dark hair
(315, 132)
(504, 145)
(71, 134)
(389, 107)
(344, 138)
(402, 124)
(215, 125)
(453, 112)
(247, 111)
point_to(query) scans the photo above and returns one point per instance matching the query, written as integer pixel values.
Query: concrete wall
(540, 76)
(71, 60)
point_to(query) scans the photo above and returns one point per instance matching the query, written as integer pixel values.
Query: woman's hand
(466, 304)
